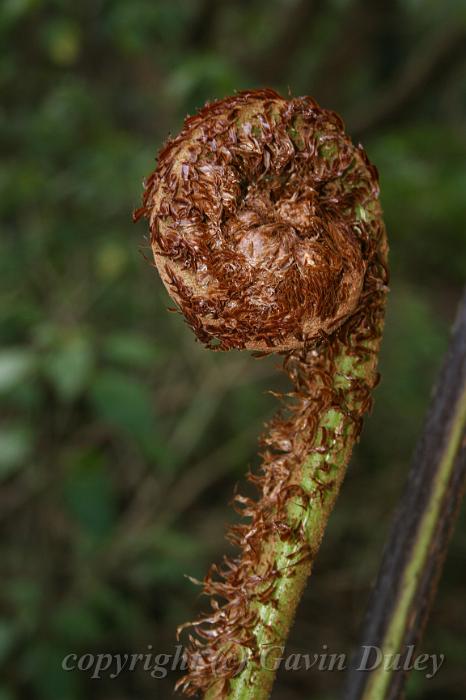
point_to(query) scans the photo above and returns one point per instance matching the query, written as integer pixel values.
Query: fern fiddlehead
(266, 229)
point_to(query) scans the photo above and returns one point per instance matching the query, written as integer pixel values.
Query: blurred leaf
(424, 166)
(162, 565)
(416, 685)
(14, 10)
(25, 596)
(15, 365)
(7, 638)
(135, 25)
(15, 447)
(119, 611)
(68, 365)
(126, 404)
(111, 260)
(202, 76)
(61, 38)
(77, 624)
(131, 350)
(89, 493)
(123, 401)
(5, 694)
(413, 344)
(43, 664)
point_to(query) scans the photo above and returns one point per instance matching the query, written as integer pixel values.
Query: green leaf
(5, 694)
(26, 599)
(89, 494)
(125, 403)
(69, 364)
(111, 259)
(7, 638)
(131, 350)
(61, 39)
(42, 665)
(15, 365)
(76, 623)
(118, 609)
(15, 446)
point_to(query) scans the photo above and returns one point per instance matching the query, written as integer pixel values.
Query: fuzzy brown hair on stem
(266, 229)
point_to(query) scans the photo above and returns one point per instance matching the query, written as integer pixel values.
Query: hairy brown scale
(266, 229)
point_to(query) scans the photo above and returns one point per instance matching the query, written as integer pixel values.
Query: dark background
(122, 438)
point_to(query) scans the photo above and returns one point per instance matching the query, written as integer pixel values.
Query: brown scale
(257, 232)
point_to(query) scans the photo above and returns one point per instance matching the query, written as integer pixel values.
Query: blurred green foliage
(121, 438)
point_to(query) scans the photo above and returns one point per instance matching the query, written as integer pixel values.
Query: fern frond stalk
(417, 546)
(341, 387)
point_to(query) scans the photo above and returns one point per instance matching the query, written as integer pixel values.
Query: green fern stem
(320, 476)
